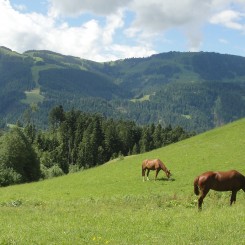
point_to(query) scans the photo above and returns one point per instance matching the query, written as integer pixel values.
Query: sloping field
(111, 204)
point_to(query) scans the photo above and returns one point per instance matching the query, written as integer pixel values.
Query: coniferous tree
(111, 141)
(85, 157)
(145, 141)
(56, 116)
(157, 137)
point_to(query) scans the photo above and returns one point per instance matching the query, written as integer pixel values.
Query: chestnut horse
(155, 164)
(219, 181)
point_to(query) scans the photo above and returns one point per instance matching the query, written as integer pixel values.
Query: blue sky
(105, 30)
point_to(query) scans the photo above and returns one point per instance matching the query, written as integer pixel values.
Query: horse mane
(164, 168)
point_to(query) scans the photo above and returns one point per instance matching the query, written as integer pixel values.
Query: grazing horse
(154, 164)
(219, 181)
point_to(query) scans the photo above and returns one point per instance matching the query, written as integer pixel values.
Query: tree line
(74, 141)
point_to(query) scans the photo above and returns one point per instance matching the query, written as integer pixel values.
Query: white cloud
(132, 51)
(113, 22)
(97, 38)
(230, 19)
(90, 40)
(157, 16)
(35, 31)
(76, 7)
(20, 31)
(187, 16)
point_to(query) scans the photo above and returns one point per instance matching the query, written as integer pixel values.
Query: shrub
(55, 171)
(44, 172)
(74, 168)
(18, 158)
(8, 177)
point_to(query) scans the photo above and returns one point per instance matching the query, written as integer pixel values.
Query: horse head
(168, 173)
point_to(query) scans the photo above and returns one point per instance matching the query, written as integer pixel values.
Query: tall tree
(56, 116)
(112, 143)
(145, 141)
(157, 136)
(17, 153)
(85, 154)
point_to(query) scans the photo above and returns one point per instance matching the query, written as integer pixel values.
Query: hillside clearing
(33, 97)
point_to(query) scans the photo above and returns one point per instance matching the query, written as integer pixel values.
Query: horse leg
(147, 175)
(157, 171)
(233, 197)
(143, 174)
(204, 192)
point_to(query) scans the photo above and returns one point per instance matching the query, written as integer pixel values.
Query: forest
(195, 90)
(74, 141)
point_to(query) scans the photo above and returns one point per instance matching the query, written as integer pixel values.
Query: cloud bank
(114, 29)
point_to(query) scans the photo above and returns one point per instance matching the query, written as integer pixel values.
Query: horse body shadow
(165, 179)
(219, 181)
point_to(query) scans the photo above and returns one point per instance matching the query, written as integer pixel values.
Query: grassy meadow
(110, 204)
(33, 97)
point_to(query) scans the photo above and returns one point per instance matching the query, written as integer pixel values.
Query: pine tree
(157, 136)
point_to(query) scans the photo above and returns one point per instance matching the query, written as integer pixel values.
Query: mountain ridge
(196, 90)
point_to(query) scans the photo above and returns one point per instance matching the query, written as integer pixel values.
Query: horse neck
(163, 167)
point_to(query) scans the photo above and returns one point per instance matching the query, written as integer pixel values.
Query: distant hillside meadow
(195, 90)
(110, 204)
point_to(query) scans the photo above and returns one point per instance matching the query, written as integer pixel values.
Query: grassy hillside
(111, 205)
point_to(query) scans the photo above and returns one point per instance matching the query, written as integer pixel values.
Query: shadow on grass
(165, 179)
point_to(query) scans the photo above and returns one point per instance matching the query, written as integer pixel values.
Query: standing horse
(219, 181)
(154, 164)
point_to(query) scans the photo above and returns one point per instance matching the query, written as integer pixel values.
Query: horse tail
(196, 188)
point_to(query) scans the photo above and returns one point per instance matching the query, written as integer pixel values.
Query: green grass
(142, 99)
(111, 204)
(33, 97)
(186, 116)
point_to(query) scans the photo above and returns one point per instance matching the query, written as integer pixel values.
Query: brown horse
(154, 164)
(219, 181)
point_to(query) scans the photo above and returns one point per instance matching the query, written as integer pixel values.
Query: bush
(8, 177)
(55, 171)
(74, 168)
(44, 172)
(19, 161)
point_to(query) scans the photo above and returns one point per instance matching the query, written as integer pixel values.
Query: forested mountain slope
(195, 90)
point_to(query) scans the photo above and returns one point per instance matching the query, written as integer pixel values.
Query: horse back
(144, 163)
(151, 164)
(222, 181)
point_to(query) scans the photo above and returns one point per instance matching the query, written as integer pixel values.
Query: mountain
(196, 90)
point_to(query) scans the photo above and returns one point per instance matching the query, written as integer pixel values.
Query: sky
(107, 30)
